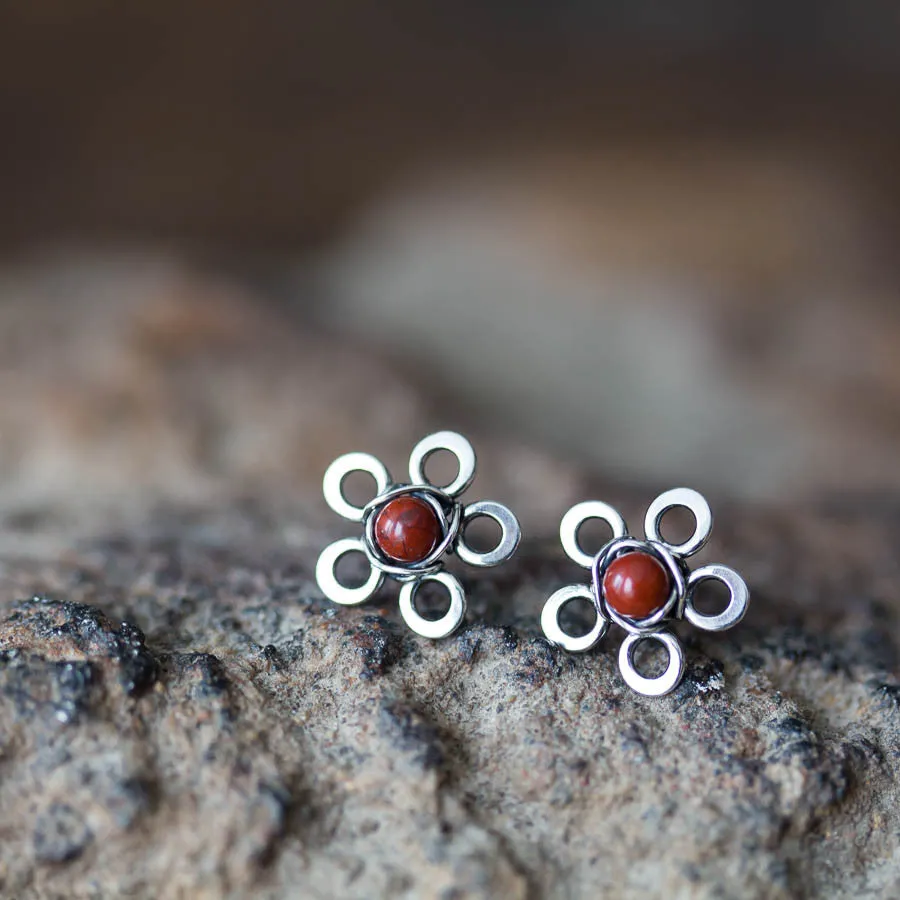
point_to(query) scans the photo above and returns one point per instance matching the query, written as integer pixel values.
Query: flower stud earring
(408, 529)
(643, 586)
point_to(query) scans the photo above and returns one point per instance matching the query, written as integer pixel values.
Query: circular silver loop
(550, 620)
(444, 440)
(331, 587)
(449, 622)
(333, 483)
(652, 687)
(510, 534)
(689, 499)
(737, 603)
(577, 516)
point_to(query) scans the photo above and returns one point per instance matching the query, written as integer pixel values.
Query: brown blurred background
(656, 240)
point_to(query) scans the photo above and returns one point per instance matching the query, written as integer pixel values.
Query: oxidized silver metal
(662, 684)
(679, 604)
(552, 628)
(449, 622)
(452, 515)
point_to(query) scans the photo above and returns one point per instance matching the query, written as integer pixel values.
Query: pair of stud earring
(644, 586)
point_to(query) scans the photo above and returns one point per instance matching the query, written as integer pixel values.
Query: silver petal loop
(652, 687)
(577, 516)
(458, 446)
(327, 579)
(510, 534)
(737, 602)
(553, 630)
(449, 622)
(690, 500)
(333, 483)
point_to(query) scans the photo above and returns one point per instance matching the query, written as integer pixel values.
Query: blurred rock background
(660, 243)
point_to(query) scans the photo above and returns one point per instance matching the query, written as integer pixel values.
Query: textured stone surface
(241, 732)
(182, 714)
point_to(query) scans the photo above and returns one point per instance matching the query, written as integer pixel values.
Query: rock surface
(183, 715)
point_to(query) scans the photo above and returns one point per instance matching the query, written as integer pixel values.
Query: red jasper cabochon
(407, 529)
(636, 585)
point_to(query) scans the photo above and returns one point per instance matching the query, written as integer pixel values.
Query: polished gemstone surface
(407, 529)
(636, 585)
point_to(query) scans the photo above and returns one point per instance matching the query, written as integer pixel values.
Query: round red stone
(636, 585)
(407, 529)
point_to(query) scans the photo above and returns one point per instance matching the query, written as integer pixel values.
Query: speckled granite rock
(240, 733)
(183, 715)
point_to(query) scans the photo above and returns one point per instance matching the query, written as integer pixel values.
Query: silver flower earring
(409, 528)
(643, 586)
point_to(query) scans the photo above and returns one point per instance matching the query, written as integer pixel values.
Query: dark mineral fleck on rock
(411, 732)
(60, 835)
